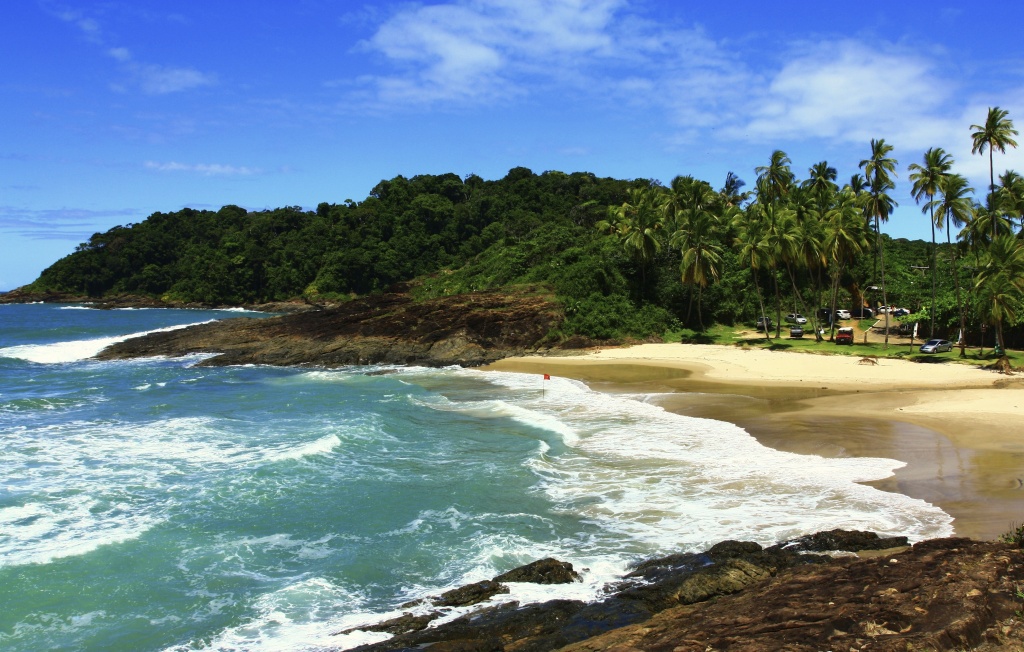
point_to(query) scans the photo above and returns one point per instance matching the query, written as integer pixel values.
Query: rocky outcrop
(467, 330)
(942, 594)
(945, 594)
(544, 571)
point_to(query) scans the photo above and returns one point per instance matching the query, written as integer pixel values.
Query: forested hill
(454, 235)
(404, 228)
(524, 228)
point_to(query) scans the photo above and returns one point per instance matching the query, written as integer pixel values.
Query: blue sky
(112, 110)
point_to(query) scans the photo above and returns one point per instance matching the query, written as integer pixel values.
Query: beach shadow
(698, 338)
(779, 346)
(928, 359)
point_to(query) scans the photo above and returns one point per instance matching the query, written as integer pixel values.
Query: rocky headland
(468, 330)
(942, 594)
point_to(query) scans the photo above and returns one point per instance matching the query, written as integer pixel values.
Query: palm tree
(845, 236)
(753, 251)
(638, 224)
(1000, 283)
(954, 209)
(996, 133)
(802, 243)
(821, 181)
(774, 180)
(731, 193)
(926, 178)
(697, 237)
(1010, 194)
(878, 171)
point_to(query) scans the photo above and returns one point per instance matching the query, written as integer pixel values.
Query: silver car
(936, 346)
(795, 318)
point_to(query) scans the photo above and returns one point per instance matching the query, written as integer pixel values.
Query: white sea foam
(667, 479)
(118, 480)
(76, 350)
(300, 617)
(322, 446)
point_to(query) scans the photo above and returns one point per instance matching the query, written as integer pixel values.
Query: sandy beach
(958, 428)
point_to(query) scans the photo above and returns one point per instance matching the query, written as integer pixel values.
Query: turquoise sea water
(156, 505)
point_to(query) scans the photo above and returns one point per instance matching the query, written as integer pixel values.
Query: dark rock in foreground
(544, 571)
(942, 594)
(468, 330)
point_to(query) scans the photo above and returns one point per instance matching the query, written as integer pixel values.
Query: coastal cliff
(468, 330)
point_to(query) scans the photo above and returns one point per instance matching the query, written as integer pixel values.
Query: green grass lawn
(898, 348)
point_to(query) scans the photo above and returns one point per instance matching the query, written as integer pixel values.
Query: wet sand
(963, 448)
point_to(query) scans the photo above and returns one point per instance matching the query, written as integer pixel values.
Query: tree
(1010, 195)
(774, 180)
(754, 251)
(1000, 283)
(697, 237)
(821, 181)
(637, 223)
(996, 133)
(731, 193)
(954, 209)
(926, 178)
(845, 236)
(878, 172)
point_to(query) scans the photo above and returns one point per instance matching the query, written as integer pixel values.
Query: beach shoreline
(959, 429)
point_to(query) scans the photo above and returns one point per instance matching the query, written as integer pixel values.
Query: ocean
(159, 505)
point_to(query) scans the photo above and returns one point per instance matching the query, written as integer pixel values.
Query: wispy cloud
(150, 78)
(849, 92)
(476, 51)
(76, 224)
(205, 169)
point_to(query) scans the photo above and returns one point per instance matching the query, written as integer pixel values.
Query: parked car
(796, 331)
(936, 346)
(862, 313)
(842, 314)
(844, 336)
(764, 323)
(899, 312)
(795, 318)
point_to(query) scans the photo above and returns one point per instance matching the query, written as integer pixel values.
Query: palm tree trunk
(959, 303)
(885, 297)
(931, 330)
(760, 303)
(700, 309)
(991, 190)
(796, 292)
(778, 304)
(835, 298)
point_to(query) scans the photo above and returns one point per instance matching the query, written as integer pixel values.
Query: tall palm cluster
(798, 237)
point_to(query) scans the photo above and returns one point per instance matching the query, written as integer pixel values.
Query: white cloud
(153, 79)
(851, 92)
(159, 80)
(476, 51)
(205, 169)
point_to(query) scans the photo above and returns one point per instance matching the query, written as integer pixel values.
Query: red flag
(547, 376)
